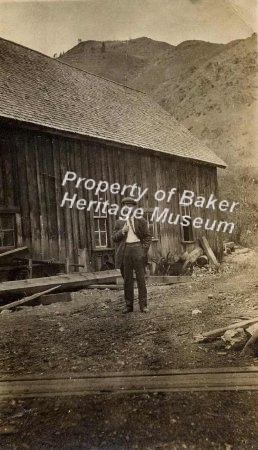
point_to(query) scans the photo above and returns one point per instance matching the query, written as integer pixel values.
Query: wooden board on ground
(67, 282)
(209, 252)
(27, 299)
(170, 279)
(158, 279)
(83, 384)
(114, 287)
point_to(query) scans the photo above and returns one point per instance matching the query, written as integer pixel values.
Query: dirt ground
(90, 334)
(158, 421)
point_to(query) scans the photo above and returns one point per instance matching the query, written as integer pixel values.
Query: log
(27, 299)
(209, 252)
(219, 331)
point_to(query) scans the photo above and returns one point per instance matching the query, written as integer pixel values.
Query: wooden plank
(85, 162)
(82, 251)
(44, 261)
(23, 192)
(105, 176)
(219, 331)
(74, 210)
(28, 299)
(57, 182)
(66, 282)
(13, 252)
(219, 371)
(14, 266)
(7, 174)
(49, 179)
(64, 159)
(19, 239)
(208, 251)
(114, 287)
(59, 178)
(33, 195)
(40, 195)
(87, 385)
(93, 154)
(159, 279)
(171, 279)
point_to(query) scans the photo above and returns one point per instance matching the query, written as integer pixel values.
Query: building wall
(33, 165)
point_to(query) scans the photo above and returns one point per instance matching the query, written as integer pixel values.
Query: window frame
(97, 217)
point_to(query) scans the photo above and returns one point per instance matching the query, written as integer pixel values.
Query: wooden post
(67, 265)
(30, 267)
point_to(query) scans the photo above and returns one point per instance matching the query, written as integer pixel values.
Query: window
(152, 224)
(100, 223)
(7, 230)
(186, 231)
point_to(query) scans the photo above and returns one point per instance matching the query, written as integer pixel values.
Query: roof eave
(50, 128)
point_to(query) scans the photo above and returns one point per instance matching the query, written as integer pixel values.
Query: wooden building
(55, 118)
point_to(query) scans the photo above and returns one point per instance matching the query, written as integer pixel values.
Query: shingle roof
(40, 90)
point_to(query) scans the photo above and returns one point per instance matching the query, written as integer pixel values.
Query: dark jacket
(141, 231)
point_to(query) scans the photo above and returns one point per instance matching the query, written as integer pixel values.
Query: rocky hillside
(210, 88)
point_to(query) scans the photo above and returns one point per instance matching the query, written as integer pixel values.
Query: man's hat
(130, 200)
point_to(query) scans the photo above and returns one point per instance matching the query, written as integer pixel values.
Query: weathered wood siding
(34, 163)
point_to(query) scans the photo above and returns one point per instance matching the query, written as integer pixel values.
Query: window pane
(100, 198)
(102, 214)
(102, 224)
(103, 237)
(97, 239)
(96, 224)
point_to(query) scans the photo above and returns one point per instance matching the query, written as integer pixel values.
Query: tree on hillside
(103, 47)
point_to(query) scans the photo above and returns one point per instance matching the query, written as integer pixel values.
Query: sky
(55, 26)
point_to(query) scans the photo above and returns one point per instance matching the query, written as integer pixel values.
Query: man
(132, 241)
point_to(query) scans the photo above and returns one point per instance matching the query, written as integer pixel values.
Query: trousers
(134, 260)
